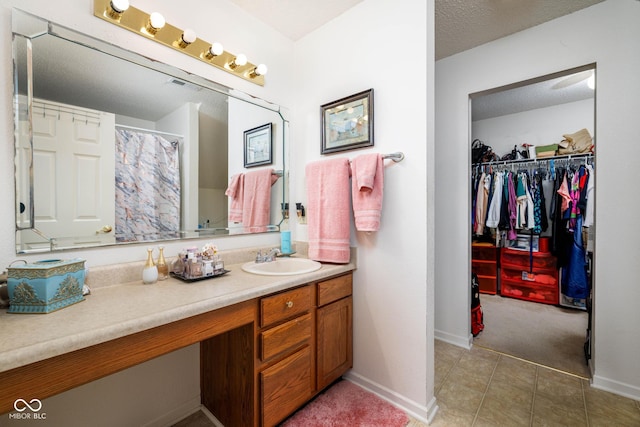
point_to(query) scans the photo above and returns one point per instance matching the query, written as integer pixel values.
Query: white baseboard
(464, 342)
(617, 387)
(420, 412)
(176, 414)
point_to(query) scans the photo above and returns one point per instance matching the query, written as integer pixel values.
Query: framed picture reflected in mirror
(258, 146)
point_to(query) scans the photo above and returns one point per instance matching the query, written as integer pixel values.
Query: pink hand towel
(328, 210)
(367, 182)
(236, 194)
(256, 207)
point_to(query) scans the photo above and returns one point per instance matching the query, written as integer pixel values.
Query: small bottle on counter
(196, 267)
(150, 270)
(163, 268)
(285, 241)
(207, 269)
(178, 264)
(218, 265)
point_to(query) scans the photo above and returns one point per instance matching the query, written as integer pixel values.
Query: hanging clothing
(513, 210)
(588, 215)
(482, 203)
(493, 216)
(574, 275)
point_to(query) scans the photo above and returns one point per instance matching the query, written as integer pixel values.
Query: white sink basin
(282, 267)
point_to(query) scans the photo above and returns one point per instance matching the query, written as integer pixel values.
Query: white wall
(361, 49)
(605, 34)
(184, 121)
(542, 126)
(213, 20)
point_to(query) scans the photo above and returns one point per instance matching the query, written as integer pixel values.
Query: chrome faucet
(267, 257)
(271, 256)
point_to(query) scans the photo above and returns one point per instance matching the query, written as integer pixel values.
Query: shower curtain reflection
(147, 185)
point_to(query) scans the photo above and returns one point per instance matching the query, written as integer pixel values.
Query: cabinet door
(334, 341)
(286, 386)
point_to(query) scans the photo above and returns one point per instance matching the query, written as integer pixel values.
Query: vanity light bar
(137, 21)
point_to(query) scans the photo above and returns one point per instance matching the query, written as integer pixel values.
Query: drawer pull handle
(289, 304)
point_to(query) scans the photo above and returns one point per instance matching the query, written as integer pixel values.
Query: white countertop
(115, 311)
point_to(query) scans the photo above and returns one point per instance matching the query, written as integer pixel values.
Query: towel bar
(396, 157)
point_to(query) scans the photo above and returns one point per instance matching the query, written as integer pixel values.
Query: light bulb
(260, 70)
(156, 22)
(119, 5)
(216, 49)
(238, 61)
(241, 60)
(188, 37)
(116, 8)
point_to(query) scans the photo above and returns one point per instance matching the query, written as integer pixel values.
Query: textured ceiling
(460, 24)
(463, 24)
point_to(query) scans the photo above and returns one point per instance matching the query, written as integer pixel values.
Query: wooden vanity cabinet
(285, 378)
(334, 334)
(301, 342)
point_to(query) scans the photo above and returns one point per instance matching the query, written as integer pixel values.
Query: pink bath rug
(346, 404)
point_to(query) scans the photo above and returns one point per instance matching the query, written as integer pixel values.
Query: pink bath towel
(367, 184)
(328, 210)
(236, 196)
(256, 206)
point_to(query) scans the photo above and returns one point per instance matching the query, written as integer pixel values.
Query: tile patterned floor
(479, 387)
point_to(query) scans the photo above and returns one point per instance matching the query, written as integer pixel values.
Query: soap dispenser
(150, 270)
(163, 268)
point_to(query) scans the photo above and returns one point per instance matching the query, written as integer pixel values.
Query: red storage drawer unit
(522, 259)
(484, 262)
(518, 279)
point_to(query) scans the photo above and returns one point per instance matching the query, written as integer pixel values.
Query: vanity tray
(197, 279)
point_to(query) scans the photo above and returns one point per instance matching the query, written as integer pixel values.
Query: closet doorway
(533, 190)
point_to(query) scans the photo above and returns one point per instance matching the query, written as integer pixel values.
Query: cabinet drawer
(483, 251)
(526, 260)
(540, 278)
(488, 285)
(285, 386)
(334, 289)
(284, 337)
(283, 306)
(529, 291)
(484, 268)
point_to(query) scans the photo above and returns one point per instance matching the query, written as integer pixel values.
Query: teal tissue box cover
(45, 286)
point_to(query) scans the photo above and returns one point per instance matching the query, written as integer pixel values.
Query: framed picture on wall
(258, 146)
(347, 123)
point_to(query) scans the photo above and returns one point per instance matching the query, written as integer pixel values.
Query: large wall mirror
(112, 147)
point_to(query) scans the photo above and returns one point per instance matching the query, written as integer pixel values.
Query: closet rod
(398, 156)
(544, 159)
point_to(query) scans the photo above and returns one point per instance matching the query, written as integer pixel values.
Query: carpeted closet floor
(549, 335)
